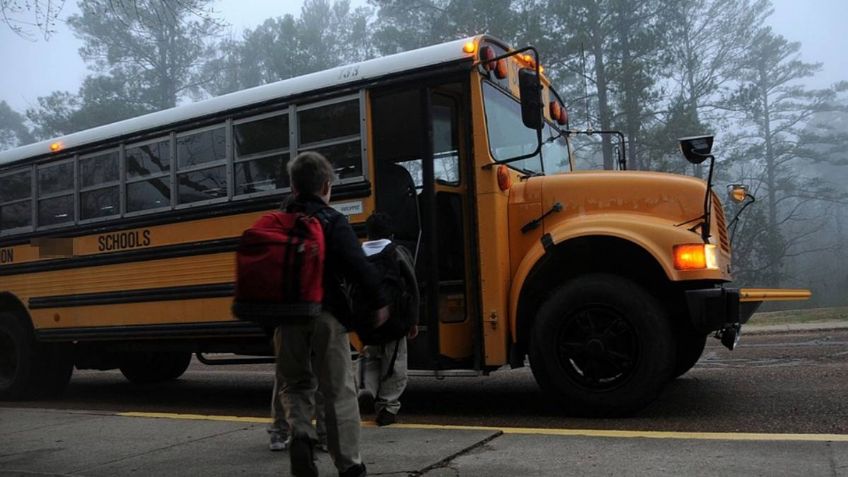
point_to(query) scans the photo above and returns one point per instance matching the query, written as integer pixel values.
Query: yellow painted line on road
(196, 417)
(716, 436)
(724, 436)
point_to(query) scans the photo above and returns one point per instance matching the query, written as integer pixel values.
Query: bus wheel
(154, 367)
(602, 346)
(690, 347)
(29, 369)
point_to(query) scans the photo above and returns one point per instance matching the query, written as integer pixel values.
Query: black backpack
(397, 272)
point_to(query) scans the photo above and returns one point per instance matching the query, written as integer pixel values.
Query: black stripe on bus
(227, 329)
(133, 296)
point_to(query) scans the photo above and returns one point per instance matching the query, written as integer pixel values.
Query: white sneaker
(279, 441)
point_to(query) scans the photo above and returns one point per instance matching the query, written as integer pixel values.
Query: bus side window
(56, 193)
(261, 154)
(15, 200)
(202, 174)
(148, 175)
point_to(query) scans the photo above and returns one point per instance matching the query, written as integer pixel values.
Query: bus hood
(672, 197)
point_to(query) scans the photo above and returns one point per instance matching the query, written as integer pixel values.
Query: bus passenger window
(334, 130)
(56, 193)
(15, 203)
(148, 176)
(148, 159)
(196, 180)
(201, 148)
(99, 194)
(204, 184)
(261, 154)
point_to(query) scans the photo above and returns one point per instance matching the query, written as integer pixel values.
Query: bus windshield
(508, 137)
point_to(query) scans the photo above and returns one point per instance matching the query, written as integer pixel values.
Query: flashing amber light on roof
(469, 47)
(56, 147)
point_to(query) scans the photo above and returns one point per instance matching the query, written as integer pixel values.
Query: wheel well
(593, 254)
(10, 303)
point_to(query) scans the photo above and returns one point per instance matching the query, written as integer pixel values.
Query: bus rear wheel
(29, 369)
(602, 346)
(154, 367)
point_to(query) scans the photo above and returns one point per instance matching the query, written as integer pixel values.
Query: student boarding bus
(117, 243)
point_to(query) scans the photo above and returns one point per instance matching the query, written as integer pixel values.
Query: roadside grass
(812, 315)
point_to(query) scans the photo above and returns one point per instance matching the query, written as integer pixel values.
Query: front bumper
(723, 309)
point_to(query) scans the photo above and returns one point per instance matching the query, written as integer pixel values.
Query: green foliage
(781, 136)
(159, 44)
(13, 130)
(101, 100)
(325, 35)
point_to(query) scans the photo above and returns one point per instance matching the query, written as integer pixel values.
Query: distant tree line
(654, 69)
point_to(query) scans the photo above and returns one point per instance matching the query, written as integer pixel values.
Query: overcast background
(38, 67)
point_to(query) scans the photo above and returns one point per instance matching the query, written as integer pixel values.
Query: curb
(793, 327)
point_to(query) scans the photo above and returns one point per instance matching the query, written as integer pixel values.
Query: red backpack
(280, 269)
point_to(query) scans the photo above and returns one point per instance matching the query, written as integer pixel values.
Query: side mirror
(530, 89)
(696, 149)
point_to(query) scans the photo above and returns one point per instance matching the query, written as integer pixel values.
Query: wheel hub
(598, 347)
(595, 348)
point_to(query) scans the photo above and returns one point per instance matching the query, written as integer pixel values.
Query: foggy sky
(37, 68)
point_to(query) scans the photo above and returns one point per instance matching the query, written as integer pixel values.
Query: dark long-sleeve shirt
(343, 260)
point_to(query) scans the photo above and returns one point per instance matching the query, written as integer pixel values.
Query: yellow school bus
(117, 243)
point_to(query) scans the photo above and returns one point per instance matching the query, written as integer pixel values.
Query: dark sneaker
(278, 440)
(302, 458)
(384, 418)
(355, 471)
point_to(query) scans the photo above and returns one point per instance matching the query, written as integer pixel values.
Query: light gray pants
(312, 354)
(373, 368)
(278, 414)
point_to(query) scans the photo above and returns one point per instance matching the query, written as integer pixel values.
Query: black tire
(602, 346)
(154, 367)
(690, 347)
(29, 369)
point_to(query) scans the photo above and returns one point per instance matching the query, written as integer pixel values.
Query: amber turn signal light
(504, 179)
(696, 256)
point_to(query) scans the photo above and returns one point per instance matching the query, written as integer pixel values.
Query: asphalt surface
(774, 406)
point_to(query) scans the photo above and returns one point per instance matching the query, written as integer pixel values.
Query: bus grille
(721, 223)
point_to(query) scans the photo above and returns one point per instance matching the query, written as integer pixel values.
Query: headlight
(695, 256)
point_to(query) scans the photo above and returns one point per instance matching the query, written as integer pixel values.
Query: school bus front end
(611, 280)
(616, 292)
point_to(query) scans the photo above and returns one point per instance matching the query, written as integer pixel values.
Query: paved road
(774, 407)
(777, 383)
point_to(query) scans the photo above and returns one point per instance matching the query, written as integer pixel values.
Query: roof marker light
(56, 147)
(501, 69)
(563, 116)
(486, 55)
(469, 47)
(555, 110)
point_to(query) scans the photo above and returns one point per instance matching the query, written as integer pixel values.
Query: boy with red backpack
(313, 350)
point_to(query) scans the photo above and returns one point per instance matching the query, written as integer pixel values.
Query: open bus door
(421, 182)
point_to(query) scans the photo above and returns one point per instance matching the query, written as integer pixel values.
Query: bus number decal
(7, 255)
(349, 73)
(123, 240)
